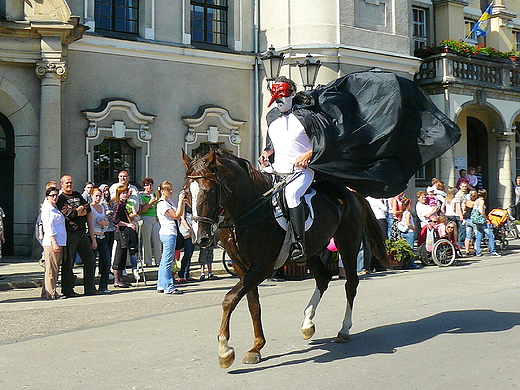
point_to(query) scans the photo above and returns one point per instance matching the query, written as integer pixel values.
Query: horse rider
(290, 149)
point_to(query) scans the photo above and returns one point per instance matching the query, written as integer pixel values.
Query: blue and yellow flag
(482, 24)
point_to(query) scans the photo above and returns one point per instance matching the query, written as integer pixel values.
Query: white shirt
(168, 225)
(289, 141)
(379, 207)
(422, 210)
(53, 225)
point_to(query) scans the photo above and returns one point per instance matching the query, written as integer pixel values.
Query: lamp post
(272, 62)
(309, 71)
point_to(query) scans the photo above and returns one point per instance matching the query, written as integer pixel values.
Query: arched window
(112, 156)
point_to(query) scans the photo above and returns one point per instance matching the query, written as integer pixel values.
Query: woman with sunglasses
(150, 227)
(54, 242)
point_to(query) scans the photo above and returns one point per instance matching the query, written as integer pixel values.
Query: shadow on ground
(387, 338)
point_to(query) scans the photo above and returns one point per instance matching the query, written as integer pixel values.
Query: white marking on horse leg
(226, 354)
(310, 310)
(347, 320)
(194, 189)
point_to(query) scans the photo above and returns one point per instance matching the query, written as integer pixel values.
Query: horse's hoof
(227, 360)
(252, 358)
(342, 338)
(307, 333)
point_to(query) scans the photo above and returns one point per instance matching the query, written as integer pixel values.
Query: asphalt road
(432, 328)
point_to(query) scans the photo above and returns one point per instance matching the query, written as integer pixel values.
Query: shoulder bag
(476, 217)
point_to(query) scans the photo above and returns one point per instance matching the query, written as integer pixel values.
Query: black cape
(372, 131)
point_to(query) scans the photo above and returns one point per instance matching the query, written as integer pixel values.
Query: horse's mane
(261, 181)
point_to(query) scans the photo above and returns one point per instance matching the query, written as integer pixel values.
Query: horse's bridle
(217, 219)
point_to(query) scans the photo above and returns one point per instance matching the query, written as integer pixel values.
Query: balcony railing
(476, 70)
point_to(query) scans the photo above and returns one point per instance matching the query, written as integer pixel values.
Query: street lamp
(309, 71)
(272, 62)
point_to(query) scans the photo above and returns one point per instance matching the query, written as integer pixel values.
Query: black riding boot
(297, 217)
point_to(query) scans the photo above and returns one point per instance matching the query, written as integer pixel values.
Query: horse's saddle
(279, 209)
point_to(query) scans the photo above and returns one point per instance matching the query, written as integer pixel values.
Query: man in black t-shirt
(77, 217)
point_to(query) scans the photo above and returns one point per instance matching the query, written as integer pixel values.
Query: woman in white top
(99, 224)
(54, 242)
(167, 213)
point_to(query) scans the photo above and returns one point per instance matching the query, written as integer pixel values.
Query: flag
(482, 24)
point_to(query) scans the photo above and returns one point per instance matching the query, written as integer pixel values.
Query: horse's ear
(212, 157)
(186, 159)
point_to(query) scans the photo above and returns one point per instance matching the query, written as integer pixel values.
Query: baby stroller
(435, 250)
(499, 219)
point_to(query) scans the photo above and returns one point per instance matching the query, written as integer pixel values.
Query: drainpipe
(256, 87)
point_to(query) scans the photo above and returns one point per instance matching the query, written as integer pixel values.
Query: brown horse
(252, 237)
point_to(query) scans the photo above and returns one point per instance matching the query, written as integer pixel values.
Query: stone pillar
(504, 177)
(447, 168)
(51, 75)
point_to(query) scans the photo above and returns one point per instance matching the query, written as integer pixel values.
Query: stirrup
(297, 252)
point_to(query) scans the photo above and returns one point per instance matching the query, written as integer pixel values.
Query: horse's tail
(374, 235)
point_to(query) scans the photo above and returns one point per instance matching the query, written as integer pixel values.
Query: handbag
(477, 218)
(402, 226)
(176, 266)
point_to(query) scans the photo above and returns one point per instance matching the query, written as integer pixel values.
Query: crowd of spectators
(112, 227)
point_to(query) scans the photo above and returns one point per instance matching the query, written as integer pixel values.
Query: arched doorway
(477, 144)
(7, 169)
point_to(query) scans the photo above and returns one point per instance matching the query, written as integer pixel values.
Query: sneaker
(213, 277)
(479, 255)
(175, 291)
(202, 277)
(136, 275)
(496, 254)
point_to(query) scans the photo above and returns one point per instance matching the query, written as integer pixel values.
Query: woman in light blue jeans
(167, 213)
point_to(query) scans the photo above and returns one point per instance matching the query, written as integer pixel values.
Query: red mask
(278, 91)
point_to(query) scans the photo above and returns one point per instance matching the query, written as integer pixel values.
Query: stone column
(51, 75)
(504, 178)
(447, 168)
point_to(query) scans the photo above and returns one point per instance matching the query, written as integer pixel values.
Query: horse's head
(216, 182)
(203, 192)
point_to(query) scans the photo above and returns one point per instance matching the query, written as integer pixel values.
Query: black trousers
(78, 242)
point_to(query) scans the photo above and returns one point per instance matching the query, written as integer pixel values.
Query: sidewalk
(22, 272)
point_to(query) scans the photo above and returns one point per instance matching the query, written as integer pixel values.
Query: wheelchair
(443, 253)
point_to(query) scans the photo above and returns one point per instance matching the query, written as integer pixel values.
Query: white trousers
(297, 187)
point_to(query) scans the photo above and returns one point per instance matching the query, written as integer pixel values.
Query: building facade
(89, 87)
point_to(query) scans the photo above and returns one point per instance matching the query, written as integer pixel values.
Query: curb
(151, 275)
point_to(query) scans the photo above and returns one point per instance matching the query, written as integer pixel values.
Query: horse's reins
(253, 207)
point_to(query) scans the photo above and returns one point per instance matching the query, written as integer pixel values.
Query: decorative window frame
(119, 119)
(213, 124)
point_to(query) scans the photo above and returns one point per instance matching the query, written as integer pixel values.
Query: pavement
(23, 272)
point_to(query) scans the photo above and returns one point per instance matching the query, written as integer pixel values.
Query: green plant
(463, 48)
(399, 252)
